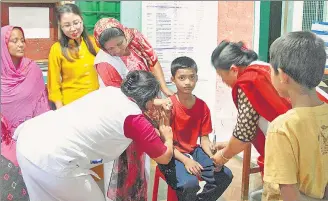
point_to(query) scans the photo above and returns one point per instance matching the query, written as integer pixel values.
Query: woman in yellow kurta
(71, 73)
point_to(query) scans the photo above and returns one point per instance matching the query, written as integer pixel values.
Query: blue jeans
(187, 185)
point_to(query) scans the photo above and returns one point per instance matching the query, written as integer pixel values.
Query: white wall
(256, 32)
(297, 16)
(131, 14)
(325, 14)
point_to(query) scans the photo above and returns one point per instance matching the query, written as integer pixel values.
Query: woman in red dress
(256, 100)
(124, 50)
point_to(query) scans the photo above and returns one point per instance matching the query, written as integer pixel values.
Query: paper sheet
(33, 20)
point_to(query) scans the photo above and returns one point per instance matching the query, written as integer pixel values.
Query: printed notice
(173, 29)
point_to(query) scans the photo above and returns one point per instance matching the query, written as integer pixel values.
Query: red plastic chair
(171, 195)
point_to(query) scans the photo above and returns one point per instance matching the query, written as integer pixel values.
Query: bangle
(221, 154)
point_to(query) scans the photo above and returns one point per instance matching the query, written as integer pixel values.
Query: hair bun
(134, 77)
(223, 44)
(248, 53)
(251, 54)
(221, 47)
(241, 44)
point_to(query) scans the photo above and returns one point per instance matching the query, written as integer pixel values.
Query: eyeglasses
(76, 25)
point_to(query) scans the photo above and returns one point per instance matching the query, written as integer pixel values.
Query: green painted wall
(128, 12)
(92, 11)
(264, 30)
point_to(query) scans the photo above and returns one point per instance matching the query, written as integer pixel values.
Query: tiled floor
(233, 193)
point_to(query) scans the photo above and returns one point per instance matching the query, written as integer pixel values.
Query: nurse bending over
(57, 149)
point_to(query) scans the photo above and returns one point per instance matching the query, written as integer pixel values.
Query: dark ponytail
(64, 40)
(141, 86)
(227, 54)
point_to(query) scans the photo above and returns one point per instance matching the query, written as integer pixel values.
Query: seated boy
(296, 152)
(191, 119)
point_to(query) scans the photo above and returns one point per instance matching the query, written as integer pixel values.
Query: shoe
(256, 195)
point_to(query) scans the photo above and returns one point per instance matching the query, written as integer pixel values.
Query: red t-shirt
(189, 124)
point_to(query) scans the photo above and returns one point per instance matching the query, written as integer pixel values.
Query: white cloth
(77, 137)
(58, 188)
(258, 62)
(116, 62)
(263, 124)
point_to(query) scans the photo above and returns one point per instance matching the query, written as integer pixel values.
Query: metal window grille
(92, 11)
(312, 11)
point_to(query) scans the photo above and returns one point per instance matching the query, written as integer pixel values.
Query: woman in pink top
(23, 96)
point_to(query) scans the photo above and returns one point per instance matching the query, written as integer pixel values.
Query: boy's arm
(205, 130)
(206, 145)
(281, 163)
(180, 156)
(289, 192)
(192, 166)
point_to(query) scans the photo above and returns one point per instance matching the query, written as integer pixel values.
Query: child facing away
(191, 119)
(296, 149)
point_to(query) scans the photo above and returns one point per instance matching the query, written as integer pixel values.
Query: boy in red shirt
(190, 120)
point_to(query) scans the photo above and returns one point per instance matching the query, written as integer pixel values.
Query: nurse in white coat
(57, 149)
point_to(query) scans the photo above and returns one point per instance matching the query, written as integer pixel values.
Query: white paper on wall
(181, 28)
(33, 20)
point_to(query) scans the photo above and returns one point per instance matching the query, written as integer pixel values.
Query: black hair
(182, 63)
(227, 54)
(301, 55)
(142, 86)
(72, 8)
(109, 34)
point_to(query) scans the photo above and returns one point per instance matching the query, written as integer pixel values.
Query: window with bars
(312, 11)
(92, 11)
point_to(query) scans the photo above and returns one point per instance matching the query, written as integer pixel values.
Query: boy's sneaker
(256, 195)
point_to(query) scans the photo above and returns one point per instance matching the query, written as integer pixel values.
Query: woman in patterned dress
(124, 50)
(257, 101)
(23, 96)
